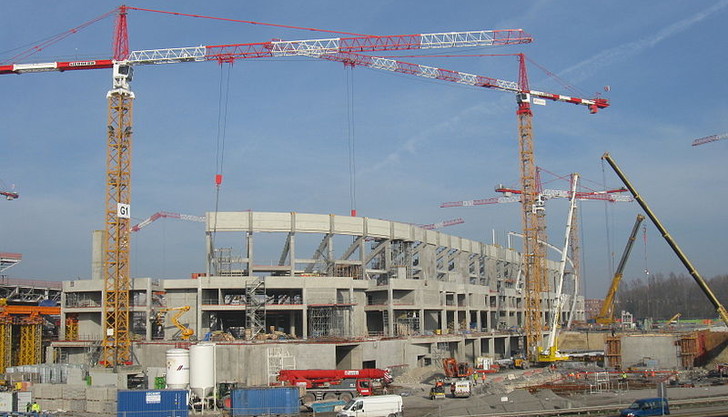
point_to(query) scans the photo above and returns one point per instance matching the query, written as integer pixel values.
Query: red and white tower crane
(117, 284)
(708, 139)
(533, 224)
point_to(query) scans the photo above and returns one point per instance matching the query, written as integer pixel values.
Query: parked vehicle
(647, 407)
(336, 384)
(374, 406)
(437, 392)
(460, 389)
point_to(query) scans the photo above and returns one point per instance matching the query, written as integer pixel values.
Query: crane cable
(351, 138)
(610, 254)
(222, 111)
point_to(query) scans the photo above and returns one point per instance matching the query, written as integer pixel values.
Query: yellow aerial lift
(606, 313)
(720, 309)
(185, 332)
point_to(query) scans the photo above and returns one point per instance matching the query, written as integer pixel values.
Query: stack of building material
(22, 399)
(48, 396)
(101, 400)
(74, 397)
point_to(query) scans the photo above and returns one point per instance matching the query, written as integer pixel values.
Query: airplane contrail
(585, 68)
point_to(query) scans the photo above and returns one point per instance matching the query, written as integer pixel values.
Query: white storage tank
(202, 369)
(178, 368)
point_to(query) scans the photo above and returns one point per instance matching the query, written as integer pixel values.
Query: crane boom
(606, 313)
(708, 139)
(550, 352)
(548, 193)
(166, 214)
(670, 241)
(309, 47)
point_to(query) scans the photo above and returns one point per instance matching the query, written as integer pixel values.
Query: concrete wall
(637, 348)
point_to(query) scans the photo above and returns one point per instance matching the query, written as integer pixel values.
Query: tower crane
(8, 194)
(708, 139)
(532, 206)
(117, 283)
(166, 215)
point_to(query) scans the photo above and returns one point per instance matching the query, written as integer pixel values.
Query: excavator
(606, 313)
(185, 333)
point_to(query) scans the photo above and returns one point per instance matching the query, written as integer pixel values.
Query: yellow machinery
(185, 332)
(606, 313)
(29, 321)
(673, 319)
(720, 309)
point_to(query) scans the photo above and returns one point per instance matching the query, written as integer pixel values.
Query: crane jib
(56, 66)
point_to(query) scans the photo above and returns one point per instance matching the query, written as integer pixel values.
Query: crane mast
(532, 218)
(117, 282)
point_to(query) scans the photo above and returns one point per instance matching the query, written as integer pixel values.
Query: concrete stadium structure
(340, 292)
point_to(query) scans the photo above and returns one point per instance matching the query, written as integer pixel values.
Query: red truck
(332, 384)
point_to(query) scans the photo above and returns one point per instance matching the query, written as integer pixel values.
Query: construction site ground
(516, 390)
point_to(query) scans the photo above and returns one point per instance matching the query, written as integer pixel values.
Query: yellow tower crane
(117, 283)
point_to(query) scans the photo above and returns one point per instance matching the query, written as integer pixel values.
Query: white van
(374, 406)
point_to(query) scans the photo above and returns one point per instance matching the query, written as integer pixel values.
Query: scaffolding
(30, 344)
(328, 321)
(6, 338)
(255, 299)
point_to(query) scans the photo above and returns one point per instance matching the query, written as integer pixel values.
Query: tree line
(660, 297)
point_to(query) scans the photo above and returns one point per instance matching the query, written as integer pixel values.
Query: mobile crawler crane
(670, 241)
(606, 313)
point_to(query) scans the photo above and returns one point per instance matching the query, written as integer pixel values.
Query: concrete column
(62, 330)
(422, 320)
(292, 321)
(98, 237)
(390, 310)
(304, 319)
(292, 252)
(249, 238)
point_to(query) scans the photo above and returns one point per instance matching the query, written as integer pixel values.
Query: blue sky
(418, 142)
